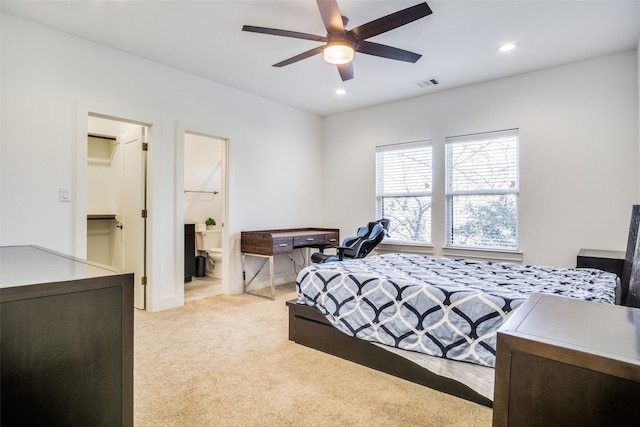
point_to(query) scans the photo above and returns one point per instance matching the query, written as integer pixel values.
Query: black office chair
(358, 246)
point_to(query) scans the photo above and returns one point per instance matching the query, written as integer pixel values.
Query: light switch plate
(65, 194)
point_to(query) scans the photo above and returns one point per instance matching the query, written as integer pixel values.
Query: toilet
(209, 242)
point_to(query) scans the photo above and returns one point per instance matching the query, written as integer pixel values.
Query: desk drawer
(308, 240)
(282, 245)
(332, 239)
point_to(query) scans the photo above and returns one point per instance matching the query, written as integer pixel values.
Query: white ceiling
(458, 41)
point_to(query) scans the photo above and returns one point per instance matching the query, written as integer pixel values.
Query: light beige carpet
(227, 361)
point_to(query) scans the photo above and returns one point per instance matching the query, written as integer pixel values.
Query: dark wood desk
(267, 243)
(562, 361)
(67, 340)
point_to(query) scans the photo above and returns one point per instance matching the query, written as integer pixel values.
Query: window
(482, 190)
(403, 190)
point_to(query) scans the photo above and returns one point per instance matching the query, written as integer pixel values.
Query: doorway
(117, 198)
(202, 170)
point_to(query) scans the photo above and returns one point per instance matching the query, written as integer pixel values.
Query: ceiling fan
(340, 43)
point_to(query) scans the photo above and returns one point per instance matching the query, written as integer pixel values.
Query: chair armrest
(341, 250)
(321, 247)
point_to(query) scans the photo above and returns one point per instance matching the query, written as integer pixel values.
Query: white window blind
(403, 190)
(482, 189)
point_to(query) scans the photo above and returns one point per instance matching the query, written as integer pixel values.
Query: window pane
(403, 190)
(405, 171)
(483, 165)
(482, 190)
(410, 218)
(488, 221)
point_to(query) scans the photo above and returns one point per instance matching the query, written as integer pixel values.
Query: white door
(133, 210)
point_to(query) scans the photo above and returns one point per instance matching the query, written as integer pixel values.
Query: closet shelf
(101, 216)
(199, 191)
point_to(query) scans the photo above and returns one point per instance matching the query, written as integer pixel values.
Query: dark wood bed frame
(307, 326)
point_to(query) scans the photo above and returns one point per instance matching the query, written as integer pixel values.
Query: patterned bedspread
(439, 306)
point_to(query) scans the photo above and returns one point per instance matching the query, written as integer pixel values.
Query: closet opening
(204, 208)
(117, 198)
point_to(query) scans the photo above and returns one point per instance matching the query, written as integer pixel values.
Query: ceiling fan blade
(346, 71)
(384, 51)
(283, 33)
(304, 55)
(389, 22)
(331, 16)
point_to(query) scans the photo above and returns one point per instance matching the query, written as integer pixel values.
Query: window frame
(450, 194)
(381, 195)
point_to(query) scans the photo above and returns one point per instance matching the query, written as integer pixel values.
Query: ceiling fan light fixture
(338, 53)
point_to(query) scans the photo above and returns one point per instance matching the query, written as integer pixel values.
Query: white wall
(578, 152)
(46, 75)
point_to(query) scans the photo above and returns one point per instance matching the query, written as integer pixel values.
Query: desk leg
(272, 273)
(244, 273)
(246, 282)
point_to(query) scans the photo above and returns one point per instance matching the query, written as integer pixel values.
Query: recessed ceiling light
(341, 91)
(507, 47)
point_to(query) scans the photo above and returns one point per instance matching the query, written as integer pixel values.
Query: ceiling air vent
(427, 83)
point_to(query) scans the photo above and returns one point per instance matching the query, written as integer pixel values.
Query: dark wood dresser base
(66, 327)
(562, 361)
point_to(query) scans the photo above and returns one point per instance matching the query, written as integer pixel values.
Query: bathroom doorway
(204, 208)
(116, 198)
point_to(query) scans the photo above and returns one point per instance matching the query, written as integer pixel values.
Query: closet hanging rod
(196, 191)
(102, 136)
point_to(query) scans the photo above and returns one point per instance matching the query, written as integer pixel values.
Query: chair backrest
(366, 239)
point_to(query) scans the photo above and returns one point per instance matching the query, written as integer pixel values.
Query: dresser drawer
(282, 245)
(309, 240)
(332, 239)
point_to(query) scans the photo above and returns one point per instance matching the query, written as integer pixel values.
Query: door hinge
(143, 213)
(143, 280)
(145, 146)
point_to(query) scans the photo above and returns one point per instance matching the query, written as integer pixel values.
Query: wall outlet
(65, 194)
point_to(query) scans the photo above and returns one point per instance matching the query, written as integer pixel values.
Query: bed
(431, 320)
